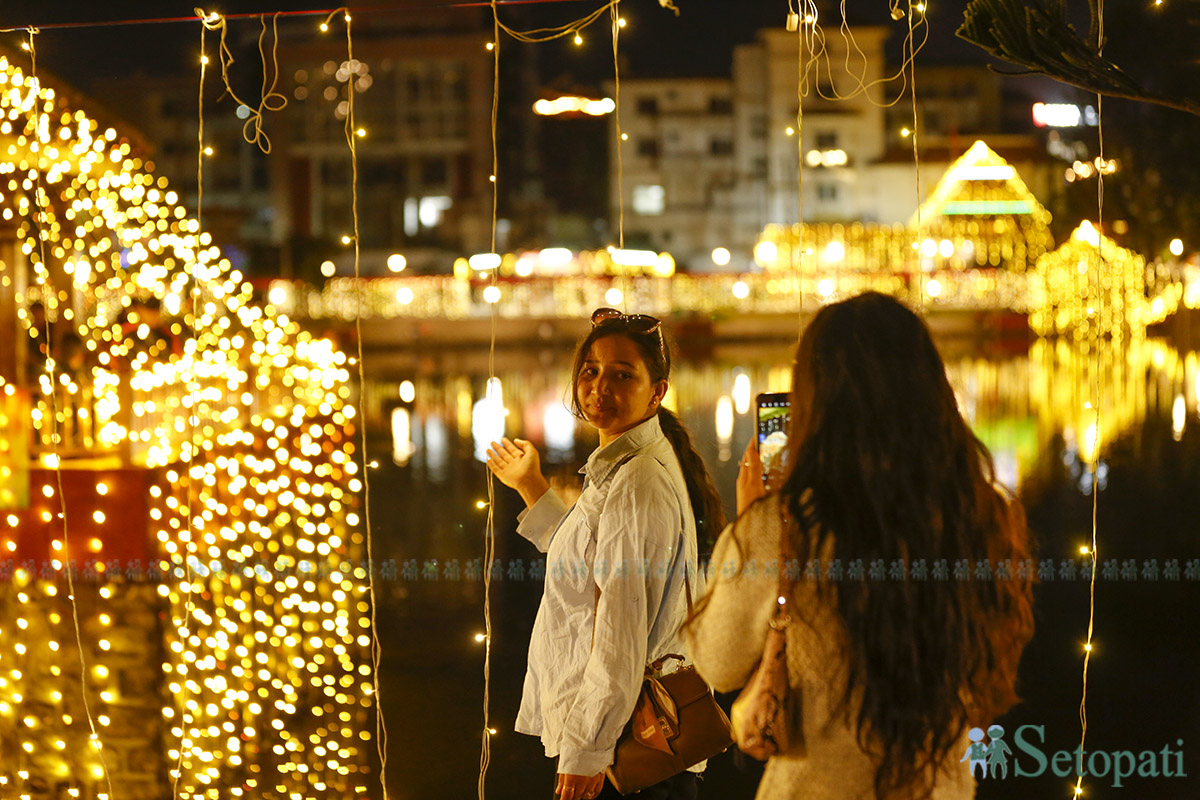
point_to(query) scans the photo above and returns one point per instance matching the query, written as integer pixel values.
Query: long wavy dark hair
(896, 474)
(655, 350)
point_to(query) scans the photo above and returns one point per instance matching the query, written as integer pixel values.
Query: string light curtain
(269, 683)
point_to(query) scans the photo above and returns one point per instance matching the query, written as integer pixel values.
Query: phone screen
(774, 417)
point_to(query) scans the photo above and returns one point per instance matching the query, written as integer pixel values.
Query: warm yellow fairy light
(243, 418)
(578, 39)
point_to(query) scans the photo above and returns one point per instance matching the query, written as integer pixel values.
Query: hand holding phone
(774, 420)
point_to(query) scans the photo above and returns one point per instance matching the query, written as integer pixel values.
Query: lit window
(430, 209)
(648, 201)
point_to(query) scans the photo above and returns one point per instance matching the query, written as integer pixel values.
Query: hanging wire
(39, 221)
(912, 66)
(859, 85)
(489, 533)
(803, 19)
(193, 410)
(252, 130)
(426, 7)
(558, 31)
(616, 28)
(351, 132)
(1094, 337)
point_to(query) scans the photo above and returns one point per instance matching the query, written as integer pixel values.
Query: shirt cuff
(538, 522)
(584, 762)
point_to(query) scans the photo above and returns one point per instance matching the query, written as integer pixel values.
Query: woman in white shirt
(614, 597)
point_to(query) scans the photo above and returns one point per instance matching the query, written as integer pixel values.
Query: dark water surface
(1029, 406)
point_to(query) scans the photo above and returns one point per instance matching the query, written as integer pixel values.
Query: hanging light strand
(1094, 334)
(39, 221)
(352, 134)
(489, 533)
(912, 67)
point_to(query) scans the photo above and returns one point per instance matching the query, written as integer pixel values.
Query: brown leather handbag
(766, 716)
(676, 724)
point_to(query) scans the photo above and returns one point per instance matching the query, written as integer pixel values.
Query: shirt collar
(604, 459)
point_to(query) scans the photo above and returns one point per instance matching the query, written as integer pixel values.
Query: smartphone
(774, 419)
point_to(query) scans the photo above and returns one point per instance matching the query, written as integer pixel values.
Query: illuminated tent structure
(974, 239)
(208, 479)
(1068, 299)
(982, 200)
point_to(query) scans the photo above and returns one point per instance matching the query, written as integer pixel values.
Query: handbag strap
(780, 616)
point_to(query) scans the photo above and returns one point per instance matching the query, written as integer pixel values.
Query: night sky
(698, 41)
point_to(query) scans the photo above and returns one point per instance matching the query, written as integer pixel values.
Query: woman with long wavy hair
(617, 561)
(891, 669)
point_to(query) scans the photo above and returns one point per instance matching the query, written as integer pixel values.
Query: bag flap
(656, 718)
(685, 686)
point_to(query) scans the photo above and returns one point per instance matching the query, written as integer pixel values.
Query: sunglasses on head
(638, 323)
(635, 323)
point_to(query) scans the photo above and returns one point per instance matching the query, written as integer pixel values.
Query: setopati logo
(1028, 757)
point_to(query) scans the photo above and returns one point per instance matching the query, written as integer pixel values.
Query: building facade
(709, 163)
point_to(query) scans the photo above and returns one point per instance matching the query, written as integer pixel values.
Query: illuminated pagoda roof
(981, 184)
(982, 199)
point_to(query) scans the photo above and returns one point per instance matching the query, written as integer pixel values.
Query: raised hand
(516, 464)
(750, 484)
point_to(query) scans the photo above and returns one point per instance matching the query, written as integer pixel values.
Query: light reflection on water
(1019, 404)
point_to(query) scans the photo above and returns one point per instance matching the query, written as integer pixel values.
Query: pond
(1033, 405)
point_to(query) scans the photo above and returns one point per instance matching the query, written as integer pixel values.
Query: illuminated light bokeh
(240, 425)
(571, 104)
(1069, 298)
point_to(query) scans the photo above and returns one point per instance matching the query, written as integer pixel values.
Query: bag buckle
(666, 727)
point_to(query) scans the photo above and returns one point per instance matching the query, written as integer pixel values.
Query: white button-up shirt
(633, 534)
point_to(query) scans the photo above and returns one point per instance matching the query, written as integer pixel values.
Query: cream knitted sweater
(727, 641)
